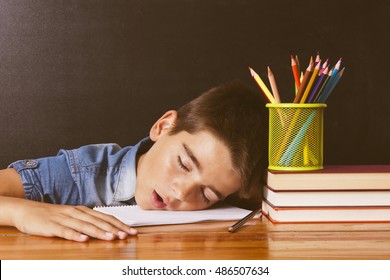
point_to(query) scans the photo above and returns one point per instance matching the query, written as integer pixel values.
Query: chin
(143, 204)
(145, 207)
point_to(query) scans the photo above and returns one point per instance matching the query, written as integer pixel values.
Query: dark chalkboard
(94, 71)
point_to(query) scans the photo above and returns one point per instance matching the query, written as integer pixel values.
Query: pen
(241, 222)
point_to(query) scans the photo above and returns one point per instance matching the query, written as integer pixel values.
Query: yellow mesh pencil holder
(295, 136)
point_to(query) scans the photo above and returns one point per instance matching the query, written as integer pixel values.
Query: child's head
(226, 127)
(235, 115)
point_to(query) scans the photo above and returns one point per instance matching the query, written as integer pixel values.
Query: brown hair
(235, 115)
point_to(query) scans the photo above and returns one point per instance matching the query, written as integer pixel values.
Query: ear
(163, 125)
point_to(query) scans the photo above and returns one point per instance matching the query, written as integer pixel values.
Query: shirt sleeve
(84, 176)
(48, 180)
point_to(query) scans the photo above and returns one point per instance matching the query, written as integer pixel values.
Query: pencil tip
(252, 72)
(293, 60)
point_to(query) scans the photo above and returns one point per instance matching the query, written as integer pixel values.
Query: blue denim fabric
(92, 175)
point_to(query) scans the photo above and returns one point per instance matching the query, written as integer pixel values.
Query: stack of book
(354, 193)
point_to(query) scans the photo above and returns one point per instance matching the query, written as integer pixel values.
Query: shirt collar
(127, 178)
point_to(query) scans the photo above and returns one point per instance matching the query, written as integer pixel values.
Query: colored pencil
(325, 64)
(295, 71)
(274, 87)
(297, 62)
(292, 148)
(337, 66)
(309, 85)
(262, 86)
(325, 96)
(325, 82)
(305, 79)
(241, 222)
(299, 71)
(318, 58)
(317, 86)
(330, 82)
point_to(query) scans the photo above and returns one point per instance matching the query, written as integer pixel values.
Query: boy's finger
(105, 221)
(85, 220)
(67, 233)
(75, 229)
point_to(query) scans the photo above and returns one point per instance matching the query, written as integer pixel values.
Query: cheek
(193, 205)
(159, 170)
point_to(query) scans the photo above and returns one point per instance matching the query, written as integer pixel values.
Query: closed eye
(209, 195)
(181, 165)
(205, 199)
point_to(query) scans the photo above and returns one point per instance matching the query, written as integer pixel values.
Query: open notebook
(136, 216)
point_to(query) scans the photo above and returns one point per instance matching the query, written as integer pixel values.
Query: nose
(182, 192)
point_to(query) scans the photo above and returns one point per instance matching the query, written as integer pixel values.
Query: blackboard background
(81, 72)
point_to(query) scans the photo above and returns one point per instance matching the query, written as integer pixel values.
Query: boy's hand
(76, 223)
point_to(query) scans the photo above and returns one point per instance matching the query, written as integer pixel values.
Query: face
(184, 171)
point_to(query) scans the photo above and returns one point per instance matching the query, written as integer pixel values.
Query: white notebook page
(136, 216)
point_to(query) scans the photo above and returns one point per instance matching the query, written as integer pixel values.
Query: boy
(209, 150)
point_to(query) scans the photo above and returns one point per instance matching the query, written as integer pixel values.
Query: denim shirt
(92, 175)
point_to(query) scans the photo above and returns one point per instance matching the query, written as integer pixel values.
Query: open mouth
(157, 200)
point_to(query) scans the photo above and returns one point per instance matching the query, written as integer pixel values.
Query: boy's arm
(10, 183)
(76, 223)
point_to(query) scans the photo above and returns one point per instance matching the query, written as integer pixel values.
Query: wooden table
(259, 239)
